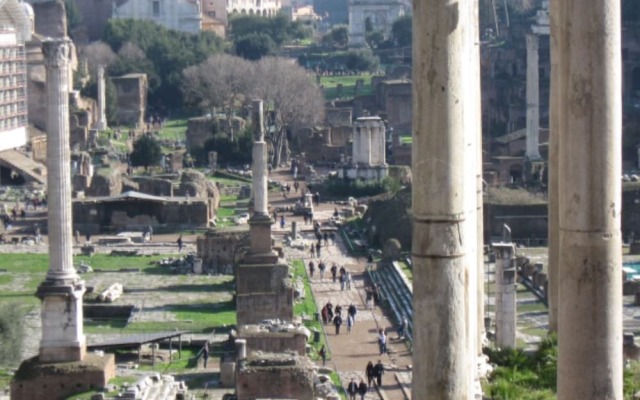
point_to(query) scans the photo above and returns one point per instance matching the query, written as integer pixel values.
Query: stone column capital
(56, 52)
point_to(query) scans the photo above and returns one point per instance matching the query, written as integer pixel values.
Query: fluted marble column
(101, 124)
(61, 293)
(533, 98)
(590, 360)
(440, 245)
(259, 167)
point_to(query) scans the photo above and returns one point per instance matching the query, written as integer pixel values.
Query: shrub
(359, 188)
(12, 332)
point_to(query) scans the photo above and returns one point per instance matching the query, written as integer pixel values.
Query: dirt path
(350, 352)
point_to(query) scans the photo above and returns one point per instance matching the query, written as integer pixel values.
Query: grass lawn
(330, 83)
(175, 129)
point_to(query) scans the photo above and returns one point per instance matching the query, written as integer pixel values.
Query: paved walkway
(350, 353)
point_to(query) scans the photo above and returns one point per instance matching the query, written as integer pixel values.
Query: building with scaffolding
(16, 23)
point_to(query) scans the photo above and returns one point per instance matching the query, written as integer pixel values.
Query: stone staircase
(397, 292)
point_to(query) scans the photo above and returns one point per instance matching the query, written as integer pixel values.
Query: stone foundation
(57, 381)
(277, 376)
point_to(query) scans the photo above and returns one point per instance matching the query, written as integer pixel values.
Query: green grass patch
(175, 129)
(330, 84)
(335, 378)
(406, 270)
(114, 263)
(308, 308)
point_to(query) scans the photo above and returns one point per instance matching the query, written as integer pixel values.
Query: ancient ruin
(368, 161)
(264, 290)
(63, 339)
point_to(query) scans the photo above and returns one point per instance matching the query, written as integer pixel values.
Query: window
(156, 8)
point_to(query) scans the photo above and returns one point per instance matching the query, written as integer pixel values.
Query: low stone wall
(35, 381)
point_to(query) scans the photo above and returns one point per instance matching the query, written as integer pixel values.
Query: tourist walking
(352, 310)
(378, 370)
(313, 250)
(334, 272)
(369, 297)
(348, 280)
(282, 222)
(349, 323)
(312, 268)
(179, 241)
(321, 267)
(369, 372)
(382, 341)
(352, 389)
(362, 389)
(402, 331)
(343, 281)
(205, 353)
(337, 321)
(318, 246)
(323, 355)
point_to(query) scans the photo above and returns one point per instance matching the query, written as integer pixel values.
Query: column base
(63, 339)
(36, 380)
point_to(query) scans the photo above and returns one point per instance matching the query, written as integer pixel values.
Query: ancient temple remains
(368, 159)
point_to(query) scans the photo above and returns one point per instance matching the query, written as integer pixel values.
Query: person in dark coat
(323, 355)
(352, 310)
(369, 371)
(337, 321)
(312, 268)
(378, 370)
(362, 389)
(334, 272)
(352, 389)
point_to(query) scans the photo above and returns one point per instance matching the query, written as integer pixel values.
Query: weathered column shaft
(260, 195)
(58, 161)
(554, 150)
(61, 293)
(102, 119)
(590, 276)
(533, 98)
(441, 62)
(505, 295)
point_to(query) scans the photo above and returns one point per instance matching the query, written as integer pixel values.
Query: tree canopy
(163, 54)
(255, 36)
(146, 152)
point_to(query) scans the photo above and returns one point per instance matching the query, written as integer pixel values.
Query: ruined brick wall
(276, 382)
(154, 186)
(50, 18)
(397, 104)
(135, 215)
(338, 116)
(60, 381)
(131, 99)
(263, 292)
(219, 250)
(275, 342)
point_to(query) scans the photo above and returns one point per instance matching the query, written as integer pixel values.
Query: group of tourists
(332, 315)
(374, 374)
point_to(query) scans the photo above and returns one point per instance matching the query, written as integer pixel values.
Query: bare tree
(131, 51)
(291, 95)
(219, 84)
(98, 53)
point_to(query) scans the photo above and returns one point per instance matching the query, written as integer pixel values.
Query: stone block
(56, 381)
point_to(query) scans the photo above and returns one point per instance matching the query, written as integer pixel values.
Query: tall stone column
(553, 190)
(533, 98)
(441, 62)
(259, 167)
(590, 276)
(505, 295)
(367, 143)
(101, 124)
(260, 221)
(61, 292)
